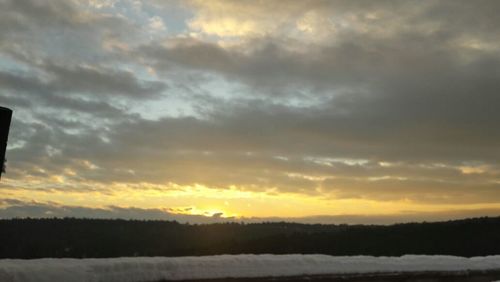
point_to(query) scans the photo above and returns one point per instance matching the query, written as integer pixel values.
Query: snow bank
(179, 268)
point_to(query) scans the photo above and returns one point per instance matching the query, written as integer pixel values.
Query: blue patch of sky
(8, 64)
(185, 97)
(173, 13)
(168, 106)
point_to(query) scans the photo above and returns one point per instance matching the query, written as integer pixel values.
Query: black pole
(5, 118)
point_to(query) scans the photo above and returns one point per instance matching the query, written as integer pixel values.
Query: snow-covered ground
(180, 268)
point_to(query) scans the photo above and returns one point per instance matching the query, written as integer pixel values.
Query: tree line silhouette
(80, 238)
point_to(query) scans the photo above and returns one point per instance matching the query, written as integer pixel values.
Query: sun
(207, 211)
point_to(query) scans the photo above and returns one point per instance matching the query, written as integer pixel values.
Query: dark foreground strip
(462, 276)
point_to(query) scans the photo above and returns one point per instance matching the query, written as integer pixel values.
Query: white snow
(178, 268)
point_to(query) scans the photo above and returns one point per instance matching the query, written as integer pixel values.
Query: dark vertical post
(5, 118)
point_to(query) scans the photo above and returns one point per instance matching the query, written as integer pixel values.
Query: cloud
(12, 208)
(156, 24)
(244, 149)
(18, 209)
(81, 81)
(327, 20)
(95, 81)
(308, 20)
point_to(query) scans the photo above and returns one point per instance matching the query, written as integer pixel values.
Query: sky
(207, 111)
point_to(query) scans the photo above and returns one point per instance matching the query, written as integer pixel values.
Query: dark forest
(80, 238)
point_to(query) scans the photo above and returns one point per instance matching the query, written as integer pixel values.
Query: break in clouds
(382, 101)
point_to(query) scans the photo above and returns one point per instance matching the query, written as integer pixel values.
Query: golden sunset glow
(233, 204)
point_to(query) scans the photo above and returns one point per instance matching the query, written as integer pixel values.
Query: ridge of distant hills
(79, 238)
